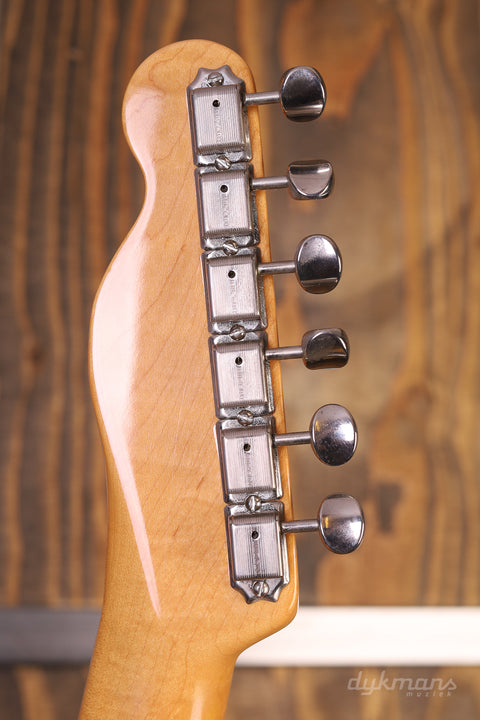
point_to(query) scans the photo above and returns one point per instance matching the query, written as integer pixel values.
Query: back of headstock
(172, 624)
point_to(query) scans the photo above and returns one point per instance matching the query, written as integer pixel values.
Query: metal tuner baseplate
(237, 318)
(218, 117)
(257, 550)
(241, 375)
(249, 461)
(234, 290)
(226, 206)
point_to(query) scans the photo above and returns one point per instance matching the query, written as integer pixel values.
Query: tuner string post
(270, 183)
(300, 526)
(290, 352)
(276, 268)
(262, 98)
(295, 438)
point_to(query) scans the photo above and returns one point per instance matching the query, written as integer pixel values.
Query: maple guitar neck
(187, 390)
(172, 626)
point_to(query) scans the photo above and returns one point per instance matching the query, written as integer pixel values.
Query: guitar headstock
(187, 387)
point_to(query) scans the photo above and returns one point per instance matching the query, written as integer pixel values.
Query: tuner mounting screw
(237, 332)
(222, 162)
(245, 417)
(260, 588)
(230, 247)
(253, 503)
(215, 78)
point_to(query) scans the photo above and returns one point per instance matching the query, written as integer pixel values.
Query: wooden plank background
(401, 129)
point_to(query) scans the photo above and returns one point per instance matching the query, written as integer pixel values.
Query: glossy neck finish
(172, 626)
(187, 679)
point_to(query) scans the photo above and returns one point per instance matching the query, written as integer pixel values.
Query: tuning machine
(241, 376)
(218, 107)
(257, 545)
(226, 197)
(248, 450)
(234, 287)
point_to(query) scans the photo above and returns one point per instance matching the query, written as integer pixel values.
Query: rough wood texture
(401, 128)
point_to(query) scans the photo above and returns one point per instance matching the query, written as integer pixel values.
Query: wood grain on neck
(172, 626)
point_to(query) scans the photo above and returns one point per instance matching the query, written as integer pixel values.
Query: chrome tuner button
(305, 180)
(326, 348)
(332, 435)
(302, 94)
(317, 264)
(340, 522)
(310, 179)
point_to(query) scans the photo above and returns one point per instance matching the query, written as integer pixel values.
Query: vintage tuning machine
(240, 365)
(218, 109)
(233, 270)
(233, 279)
(248, 445)
(226, 196)
(257, 547)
